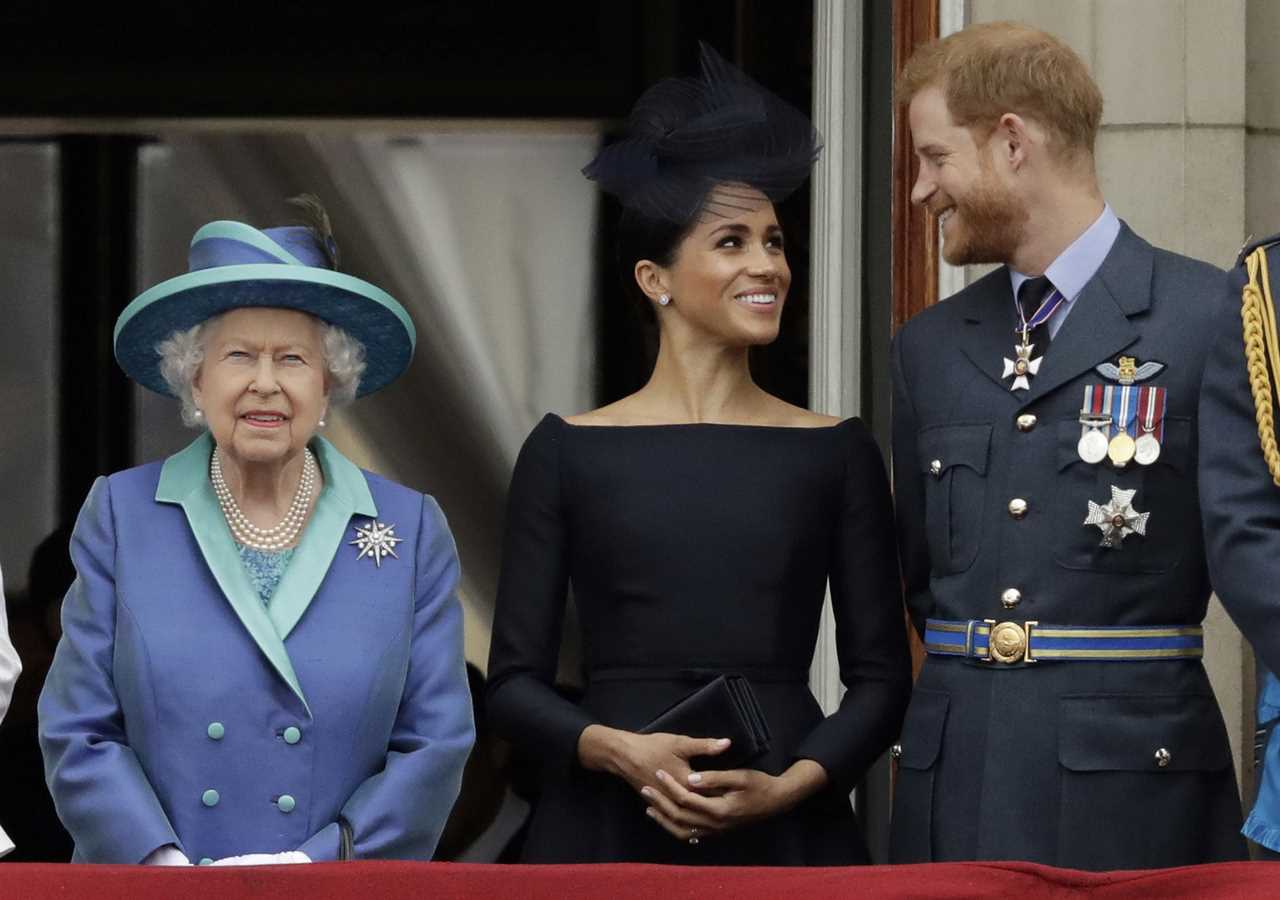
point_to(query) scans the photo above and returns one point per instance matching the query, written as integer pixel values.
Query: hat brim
(369, 314)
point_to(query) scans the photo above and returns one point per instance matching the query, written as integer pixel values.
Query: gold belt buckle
(1009, 642)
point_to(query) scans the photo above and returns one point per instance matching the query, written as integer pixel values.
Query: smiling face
(262, 385)
(729, 278)
(983, 218)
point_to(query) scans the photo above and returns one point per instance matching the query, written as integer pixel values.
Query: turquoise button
(216, 731)
(209, 798)
(292, 735)
(286, 803)
(206, 861)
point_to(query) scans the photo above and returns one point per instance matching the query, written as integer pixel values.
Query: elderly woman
(262, 650)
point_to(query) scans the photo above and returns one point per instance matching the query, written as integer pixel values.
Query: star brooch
(1117, 519)
(376, 541)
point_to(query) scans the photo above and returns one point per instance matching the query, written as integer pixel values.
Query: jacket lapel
(345, 493)
(988, 338)
(1098, 326)
(184, 480)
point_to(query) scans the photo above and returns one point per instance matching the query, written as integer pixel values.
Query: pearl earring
(664, 300)
(198, 414)
(322, 423)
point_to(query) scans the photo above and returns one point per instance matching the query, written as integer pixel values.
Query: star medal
(376, 541)
(1022, 367)
(1124, 409)
(1092, 445)
(1152, 402)
(1117, 519)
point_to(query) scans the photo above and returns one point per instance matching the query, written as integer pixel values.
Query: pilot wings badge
(1127, 370)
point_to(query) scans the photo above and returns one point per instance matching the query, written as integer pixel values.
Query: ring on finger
(694, 832)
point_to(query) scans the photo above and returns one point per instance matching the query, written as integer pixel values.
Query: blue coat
(179, 709)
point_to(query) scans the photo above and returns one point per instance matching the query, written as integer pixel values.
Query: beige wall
(1192, 116)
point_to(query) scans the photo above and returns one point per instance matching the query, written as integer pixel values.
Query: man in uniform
(1044, 457)
(1239, 493)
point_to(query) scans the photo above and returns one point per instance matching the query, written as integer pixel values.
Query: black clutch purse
(725, 708)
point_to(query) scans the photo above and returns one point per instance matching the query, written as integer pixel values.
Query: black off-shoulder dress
(693, 550)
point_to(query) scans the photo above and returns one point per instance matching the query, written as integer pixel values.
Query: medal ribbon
(1153, 402)
(1124, 408)
(1042, 314)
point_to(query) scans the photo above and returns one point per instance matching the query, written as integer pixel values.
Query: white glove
(264, 859)
(168, 855)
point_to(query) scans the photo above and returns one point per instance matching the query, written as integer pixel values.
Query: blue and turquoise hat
(233, 265)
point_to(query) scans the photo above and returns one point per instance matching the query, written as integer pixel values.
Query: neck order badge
(1022, 367)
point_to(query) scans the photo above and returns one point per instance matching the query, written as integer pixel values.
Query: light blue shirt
(1073, 268)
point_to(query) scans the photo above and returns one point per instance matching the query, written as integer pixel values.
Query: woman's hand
(713, 802)
(637, 758)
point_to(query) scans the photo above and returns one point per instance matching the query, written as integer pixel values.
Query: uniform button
(1026, 421)
(1010, 598)
(935, 467)
(292, 735)
(216, 731)
(1163, 758)
(896, 751)
(206, 861)
(1017, 507)
(209, 797)
(285, 803)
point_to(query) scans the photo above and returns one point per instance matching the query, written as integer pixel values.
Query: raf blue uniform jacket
(181, 710)
(1057, 762)
(1241, 507)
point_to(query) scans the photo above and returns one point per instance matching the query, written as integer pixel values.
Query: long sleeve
(532, 589)
(400, 812)
(908, 496)
(871, 638)
(1240, 504)
(10, 665)
(99, 788)
(10, 668)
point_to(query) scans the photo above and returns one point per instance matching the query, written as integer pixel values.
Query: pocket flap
(1126, 732)
(955, 445)
(922, 729)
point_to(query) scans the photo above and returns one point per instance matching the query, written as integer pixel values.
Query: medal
(1022, 367)
(1151, 403)
(1121, 450)
(1120, 400)
(1092, 445)
(1117, 519)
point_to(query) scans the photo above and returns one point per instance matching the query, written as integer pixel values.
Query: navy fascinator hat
(685, 136)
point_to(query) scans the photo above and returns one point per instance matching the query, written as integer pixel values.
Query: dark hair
(640, 237)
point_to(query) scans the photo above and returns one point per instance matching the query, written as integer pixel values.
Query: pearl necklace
(282, 535)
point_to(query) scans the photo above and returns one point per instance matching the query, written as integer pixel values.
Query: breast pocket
(953, 460)
(1166, 490)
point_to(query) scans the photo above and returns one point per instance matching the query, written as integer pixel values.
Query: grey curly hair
(182, 353)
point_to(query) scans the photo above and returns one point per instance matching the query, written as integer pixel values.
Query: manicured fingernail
(662, 774)
(723, 742)
(646, 792)
(649, 812)
(695, 778)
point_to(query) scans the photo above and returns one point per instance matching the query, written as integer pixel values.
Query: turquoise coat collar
(184, 480)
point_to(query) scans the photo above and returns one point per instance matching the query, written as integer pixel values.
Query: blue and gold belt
(990, 641)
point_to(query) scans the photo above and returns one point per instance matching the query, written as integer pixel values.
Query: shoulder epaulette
(1250, 245)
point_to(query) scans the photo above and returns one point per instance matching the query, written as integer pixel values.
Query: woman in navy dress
(698, 523)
